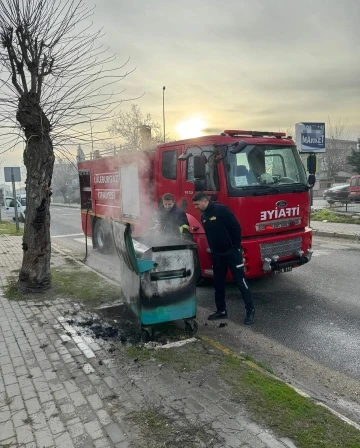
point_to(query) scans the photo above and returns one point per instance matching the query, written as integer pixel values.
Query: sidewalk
(59, 388)
(336, 230)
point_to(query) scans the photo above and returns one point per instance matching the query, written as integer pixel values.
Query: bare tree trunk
(39, 161)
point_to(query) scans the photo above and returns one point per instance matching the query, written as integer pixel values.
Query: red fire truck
(258, 175)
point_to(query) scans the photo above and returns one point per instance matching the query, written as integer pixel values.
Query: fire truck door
(169, 178)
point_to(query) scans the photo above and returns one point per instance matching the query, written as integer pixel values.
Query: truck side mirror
(199, 185)
(311, 180)
(311, 164)
(238, 147)
(185, 156)
(200, 167)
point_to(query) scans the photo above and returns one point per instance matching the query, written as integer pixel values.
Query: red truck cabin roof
(230, 136)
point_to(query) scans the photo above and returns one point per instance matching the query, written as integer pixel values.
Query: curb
(346, 236)
(227, 351)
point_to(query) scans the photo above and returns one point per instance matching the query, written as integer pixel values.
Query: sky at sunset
(246, 64)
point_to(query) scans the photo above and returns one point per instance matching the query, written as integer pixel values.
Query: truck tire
(102, 237)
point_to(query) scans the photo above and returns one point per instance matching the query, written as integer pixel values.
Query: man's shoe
(250, 317)
(218, 315)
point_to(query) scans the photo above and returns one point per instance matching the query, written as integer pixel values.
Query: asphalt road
(307, 323)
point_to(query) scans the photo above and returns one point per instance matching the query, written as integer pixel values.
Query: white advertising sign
(310, 137)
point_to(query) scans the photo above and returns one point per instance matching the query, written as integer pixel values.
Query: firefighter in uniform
(171, 219)
(223, 233)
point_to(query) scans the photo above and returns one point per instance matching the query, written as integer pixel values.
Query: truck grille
(284, 248)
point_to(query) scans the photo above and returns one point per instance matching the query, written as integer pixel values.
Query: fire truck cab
(258, 175)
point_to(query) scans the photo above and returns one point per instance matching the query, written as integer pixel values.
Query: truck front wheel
(102, 237)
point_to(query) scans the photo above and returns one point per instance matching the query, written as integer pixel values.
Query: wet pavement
(67, 380)
(306, 299)
(311, 314)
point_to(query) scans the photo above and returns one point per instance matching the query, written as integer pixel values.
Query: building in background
(65, 182)
(333, 167)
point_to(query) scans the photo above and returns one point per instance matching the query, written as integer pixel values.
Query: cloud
(238, 63)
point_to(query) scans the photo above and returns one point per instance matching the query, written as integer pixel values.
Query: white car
(10, 209)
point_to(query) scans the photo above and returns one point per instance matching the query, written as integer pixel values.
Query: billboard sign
(310, 137)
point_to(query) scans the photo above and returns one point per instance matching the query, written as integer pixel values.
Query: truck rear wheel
(102, 237)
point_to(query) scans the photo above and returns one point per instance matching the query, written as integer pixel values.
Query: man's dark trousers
(221, 264)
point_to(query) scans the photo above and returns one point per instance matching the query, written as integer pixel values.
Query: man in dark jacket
(223, 233)
(172, 220)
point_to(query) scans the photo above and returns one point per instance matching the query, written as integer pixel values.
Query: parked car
(340, 193)
(354, 195)
(10, 208)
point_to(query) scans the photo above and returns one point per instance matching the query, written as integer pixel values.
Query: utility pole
(15, 200)
(164, 110)
(92, 141)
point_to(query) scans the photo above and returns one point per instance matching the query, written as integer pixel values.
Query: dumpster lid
(161, 243)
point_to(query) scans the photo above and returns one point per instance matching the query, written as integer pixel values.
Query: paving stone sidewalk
(55, 393)
(334, 229)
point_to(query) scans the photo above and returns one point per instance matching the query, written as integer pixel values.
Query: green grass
(268, 401)
(258, 363)
(287, 413)
(9, 228)
(82, 286)
(330, 216)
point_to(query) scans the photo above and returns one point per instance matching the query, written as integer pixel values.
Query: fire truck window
(274, 165)
(353, 182)
(169, 164)
(212, 178)
(85, 190)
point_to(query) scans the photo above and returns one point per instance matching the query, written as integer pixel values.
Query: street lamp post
(92, 141)
(164, 110)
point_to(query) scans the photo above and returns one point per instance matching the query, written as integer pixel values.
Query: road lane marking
(67, 235)
(65, 208)
(82, 240)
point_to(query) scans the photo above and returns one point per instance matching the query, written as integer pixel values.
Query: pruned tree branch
(126, 126)
(50, 52)
(54, 75)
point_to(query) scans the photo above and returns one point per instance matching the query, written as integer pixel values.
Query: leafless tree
(127, 126)
(338, 148)
(54, 76)
(289, 131)
(64, 175)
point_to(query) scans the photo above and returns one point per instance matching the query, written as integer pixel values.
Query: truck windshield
(265, 165)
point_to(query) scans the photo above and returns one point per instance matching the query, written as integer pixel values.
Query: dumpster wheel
(147, 334)
(191, 326)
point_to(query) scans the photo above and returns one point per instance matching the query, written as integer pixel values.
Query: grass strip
(9, 228)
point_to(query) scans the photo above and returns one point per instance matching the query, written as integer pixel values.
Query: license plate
(282, 270)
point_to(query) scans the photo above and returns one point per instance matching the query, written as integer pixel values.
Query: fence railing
(345, 206)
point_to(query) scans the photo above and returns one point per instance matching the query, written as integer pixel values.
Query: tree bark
(39, 161)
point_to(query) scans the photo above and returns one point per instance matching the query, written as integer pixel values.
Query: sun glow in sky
(192, 127)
